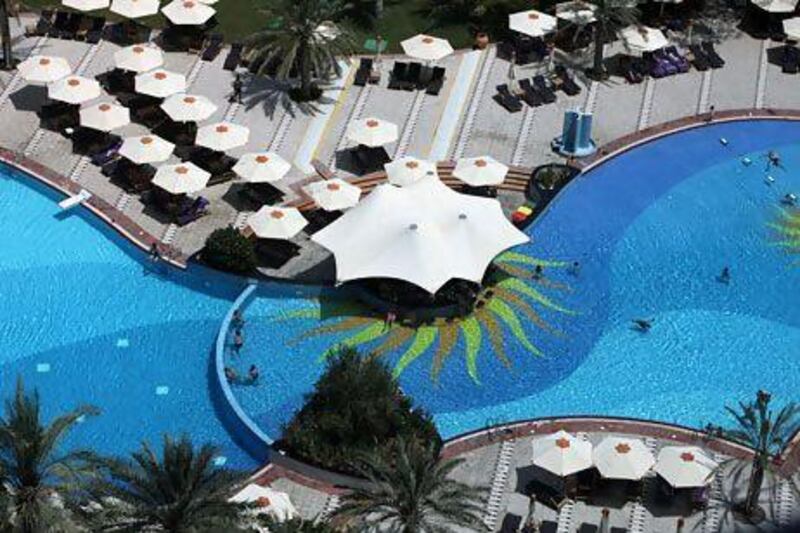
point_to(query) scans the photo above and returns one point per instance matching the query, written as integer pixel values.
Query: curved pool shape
(652, 229)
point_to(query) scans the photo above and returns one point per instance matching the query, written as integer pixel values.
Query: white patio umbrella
(372, 132)
(267, 501)
(208, 2)
(622, 458)
(183, 178)
(188, 107)
(562, 454)
(333, 195)
(44, 69)
(532, 22)
(276, 222)
(791, 27)
(86, 5)
(425, 234)
(327, 31)
(146, 149)
(576, 12)
(262, 167)
(776, 6)
(188, 12)
(139, 58)
(427, 47)
(222, 136)
(638, 39)
(684, 466)
(74, 89)
(160, 83)
(105, 117)
(134, 9)
(480, 171)
(408, 170)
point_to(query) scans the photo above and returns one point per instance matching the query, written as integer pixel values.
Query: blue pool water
(85, 319)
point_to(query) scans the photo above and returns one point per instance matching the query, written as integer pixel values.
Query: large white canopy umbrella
(622, 458)
(425, 234)
(576, 12)
(480, 171)
(276, 222)
(105, 117)
(188, 12)
(134, 9)
(44, 69)
(160, 83)
(222, 136)
(183, 178)
(262, 167)
(139, 58)
(333, 195)
(146, 149)
(373, 132)
(267, 501)
(685, 466)
(74, 89)
(562, 454)
(427, 47)
(776, 6)
(532, 22)
(408, 170)
(638, 39)
(188, 107)
(791, 27)
(86, 5)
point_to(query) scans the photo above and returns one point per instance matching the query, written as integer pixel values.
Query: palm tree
(36, 475)
(5, 35)
(304, 44)
(758, 427)
(181, 491)
(413, 495)
(610, 16)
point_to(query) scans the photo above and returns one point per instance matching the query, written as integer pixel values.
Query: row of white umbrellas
(623, 458)
(179, 12)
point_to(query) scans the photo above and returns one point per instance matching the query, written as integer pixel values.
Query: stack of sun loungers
(415, 76)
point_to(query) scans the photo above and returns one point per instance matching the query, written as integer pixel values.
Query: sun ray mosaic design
(513, 295)
(787, 227)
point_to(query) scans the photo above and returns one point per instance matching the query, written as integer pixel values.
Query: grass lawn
(401, 19)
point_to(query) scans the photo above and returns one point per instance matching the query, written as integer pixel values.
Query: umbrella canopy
(776, 6)
(134, 9)
(188, 12)
(532, 22)
(139, 58)
(562, 454)
(372, 132)
(622, 458)
(267, 501)
(262, 167)
(333, 195)
(408, 170)
(74, 89)
(86, 5)
(638, 39)
(208, 2)
(44, 69)
(791, 27)
(480, 171)
(277, 222)
(182, 178)
(222, 136)
(105, 117)
(426, 47)
(327, 31)
(684, 466)
(576, 12)
(146, 149)
(160, 83)
(188, 107)
(425, 234)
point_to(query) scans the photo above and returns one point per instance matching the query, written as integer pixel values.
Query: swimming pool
(652, 229)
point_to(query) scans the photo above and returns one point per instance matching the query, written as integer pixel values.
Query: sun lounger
(790, 60)
(413, 77)
(75, 200)
(197, 209)
(234, 57)
(530, 94)
(96, 30)
(363, 73)
(44, 24)
(511, 523)
(74, 22)
(399, 75)
(714, 58)
(437, 81)
(587, 528)
(59, 24)
(544, 89)
(698, 58)
(213, 47)
(548, 527)
(672, 56)
(511, 103)
(568, 84)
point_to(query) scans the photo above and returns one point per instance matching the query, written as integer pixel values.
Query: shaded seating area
(274, 253)
(368, 159)
(219, 164)
(180, 208)
(58, 116)
(127, 32)
(416, 76)
(133, 178)
(786, 56)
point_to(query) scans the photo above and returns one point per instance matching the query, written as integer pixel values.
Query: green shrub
(356, 407)
(227, 249)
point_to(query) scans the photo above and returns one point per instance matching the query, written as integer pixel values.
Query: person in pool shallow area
(230, 374)
(642, 324)
(238, 340)
(773, 160)
(238, 319)
(725, 275)
(253, 373)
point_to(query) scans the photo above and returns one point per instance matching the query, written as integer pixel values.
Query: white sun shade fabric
(685, 467)
(160, 83)
(105, 117)
(276, 222)
(333, 195)
(44, 69)
(480, 171)
(408, 170)
(74, 89)
(262, 167)
(425, 234)
(134, 9)
(639, 39)
(188, 107)
(776, 6)
(532, 22)
(86, 5)
(372, 132)
(622, 458)
(183, 178)
(267, 501)
(146, 149)
(188, 12)
(222, 136)
(562, 454)
(139, 58)
(427, 47)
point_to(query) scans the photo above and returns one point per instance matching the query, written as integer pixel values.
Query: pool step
(169, 234)
(241, 219)
(566, 515)
(638, 518)
(786, 504)
(499, 482)
(331, 505)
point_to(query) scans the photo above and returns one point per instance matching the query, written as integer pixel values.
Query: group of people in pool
(237, 322)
